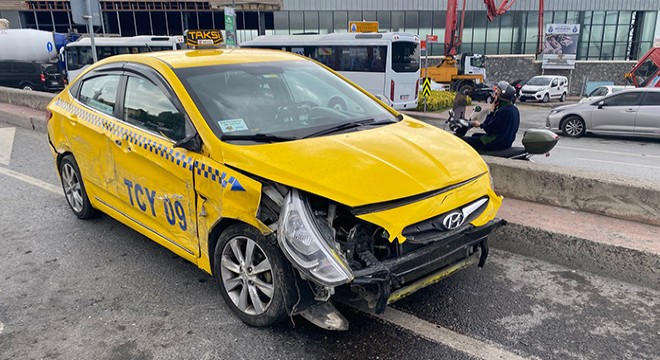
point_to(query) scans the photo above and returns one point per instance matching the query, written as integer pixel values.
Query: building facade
(610, 29)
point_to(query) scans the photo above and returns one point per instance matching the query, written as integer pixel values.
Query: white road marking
(441, 335)
(6, 144)
(620, 163)
(2, 327)
(32, 181)
(609, 152)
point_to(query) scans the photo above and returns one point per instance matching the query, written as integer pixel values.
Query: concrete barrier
(32, 99)
(624, 198)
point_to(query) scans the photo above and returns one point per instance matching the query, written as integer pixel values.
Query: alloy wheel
(72, 187)
(247, 275)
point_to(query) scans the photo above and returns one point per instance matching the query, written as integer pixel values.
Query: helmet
(507, 92)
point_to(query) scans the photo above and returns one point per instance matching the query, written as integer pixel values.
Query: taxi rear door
(155, 179)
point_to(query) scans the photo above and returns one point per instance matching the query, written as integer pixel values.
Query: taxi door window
(100, 93)
(147, 107)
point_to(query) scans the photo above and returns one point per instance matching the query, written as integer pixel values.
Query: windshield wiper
(349, 125)
(259, 137)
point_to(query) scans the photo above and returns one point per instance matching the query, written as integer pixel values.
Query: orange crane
(464, 73)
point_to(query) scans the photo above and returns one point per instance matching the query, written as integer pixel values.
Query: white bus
(385, 64)
(78, 54)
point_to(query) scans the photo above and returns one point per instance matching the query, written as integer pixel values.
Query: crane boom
(464, 74)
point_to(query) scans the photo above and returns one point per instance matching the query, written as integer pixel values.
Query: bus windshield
(405, 56)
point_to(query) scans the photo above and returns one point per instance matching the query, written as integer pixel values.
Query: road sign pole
(90, 29)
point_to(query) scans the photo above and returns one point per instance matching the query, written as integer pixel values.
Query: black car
(31, 76)
(483, 92)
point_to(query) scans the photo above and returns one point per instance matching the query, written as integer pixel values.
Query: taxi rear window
(100, 93)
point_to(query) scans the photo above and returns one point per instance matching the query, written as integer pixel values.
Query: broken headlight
(305, 246)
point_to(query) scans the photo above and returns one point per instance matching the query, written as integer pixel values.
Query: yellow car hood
(364, 167)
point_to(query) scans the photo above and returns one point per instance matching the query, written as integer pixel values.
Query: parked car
(544, 88)
(602, 91)
(518, 84)
(627, 112)
(31, 76)
(484, 92)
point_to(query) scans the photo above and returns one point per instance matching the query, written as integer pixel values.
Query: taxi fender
(238, 199)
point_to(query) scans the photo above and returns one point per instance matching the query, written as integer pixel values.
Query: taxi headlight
(555, 111)
(304, 245)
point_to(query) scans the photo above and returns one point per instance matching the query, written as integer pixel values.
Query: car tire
(522, 99)
(27, 86)
(562, 98)
(465, 89)
(258, 298)
(74, 188)
(573, 126)
(337, 103)
(546, 98)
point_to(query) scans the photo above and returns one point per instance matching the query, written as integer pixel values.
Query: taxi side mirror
(191, 142)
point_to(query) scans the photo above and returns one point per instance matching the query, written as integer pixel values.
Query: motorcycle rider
(501, 124)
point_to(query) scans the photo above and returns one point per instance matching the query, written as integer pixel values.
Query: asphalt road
(73, 289)
(637, 157)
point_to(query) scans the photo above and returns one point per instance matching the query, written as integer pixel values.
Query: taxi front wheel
(74, 188)
(255, 279)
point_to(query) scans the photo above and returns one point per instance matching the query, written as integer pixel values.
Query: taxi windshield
(278, 101)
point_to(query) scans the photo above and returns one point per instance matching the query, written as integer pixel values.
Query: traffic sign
(432, 38)
(363, 26)
(426, 87)
(422, 45)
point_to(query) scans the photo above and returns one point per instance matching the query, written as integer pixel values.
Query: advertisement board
(560, 46)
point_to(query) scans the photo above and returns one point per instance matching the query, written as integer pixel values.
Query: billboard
(560, 46)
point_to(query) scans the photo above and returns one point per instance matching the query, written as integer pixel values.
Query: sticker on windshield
(230, 125)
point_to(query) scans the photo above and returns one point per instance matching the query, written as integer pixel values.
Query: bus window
(77, 57)
(405, 56)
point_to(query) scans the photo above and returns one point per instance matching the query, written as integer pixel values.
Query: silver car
(628, 112)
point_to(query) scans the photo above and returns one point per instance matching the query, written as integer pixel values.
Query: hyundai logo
(453, 220)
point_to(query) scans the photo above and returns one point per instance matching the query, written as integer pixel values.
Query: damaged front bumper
(377, 286)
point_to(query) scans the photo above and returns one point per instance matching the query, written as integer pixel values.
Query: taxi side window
(146, 106)
(100, 93)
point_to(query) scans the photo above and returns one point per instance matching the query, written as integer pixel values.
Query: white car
(602, 91)
(544, 88)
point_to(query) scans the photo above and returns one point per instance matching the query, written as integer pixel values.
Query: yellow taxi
(237, 161)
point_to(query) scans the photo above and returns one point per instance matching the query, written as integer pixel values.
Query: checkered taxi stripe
(171, 154)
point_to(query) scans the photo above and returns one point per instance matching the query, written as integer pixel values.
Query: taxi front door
(154, 179)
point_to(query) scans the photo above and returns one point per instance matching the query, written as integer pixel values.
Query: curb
(23, 121)
(630, 265)
(618, 197)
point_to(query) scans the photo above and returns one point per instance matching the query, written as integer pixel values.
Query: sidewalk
(622, 249)
(23, 117)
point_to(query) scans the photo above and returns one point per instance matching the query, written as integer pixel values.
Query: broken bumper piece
(388, 281)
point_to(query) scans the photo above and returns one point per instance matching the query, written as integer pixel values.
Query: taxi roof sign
(363, 26)
(203, 38)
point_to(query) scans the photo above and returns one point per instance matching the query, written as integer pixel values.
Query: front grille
(435, 228)
(529, 92)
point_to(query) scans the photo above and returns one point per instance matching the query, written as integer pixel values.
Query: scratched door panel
(155, 181)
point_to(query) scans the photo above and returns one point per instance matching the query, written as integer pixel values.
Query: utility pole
(90, 29)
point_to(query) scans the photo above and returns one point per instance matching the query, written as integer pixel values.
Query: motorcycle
(535, 141)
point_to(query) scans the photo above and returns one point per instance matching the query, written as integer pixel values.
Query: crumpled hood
(363, 167)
